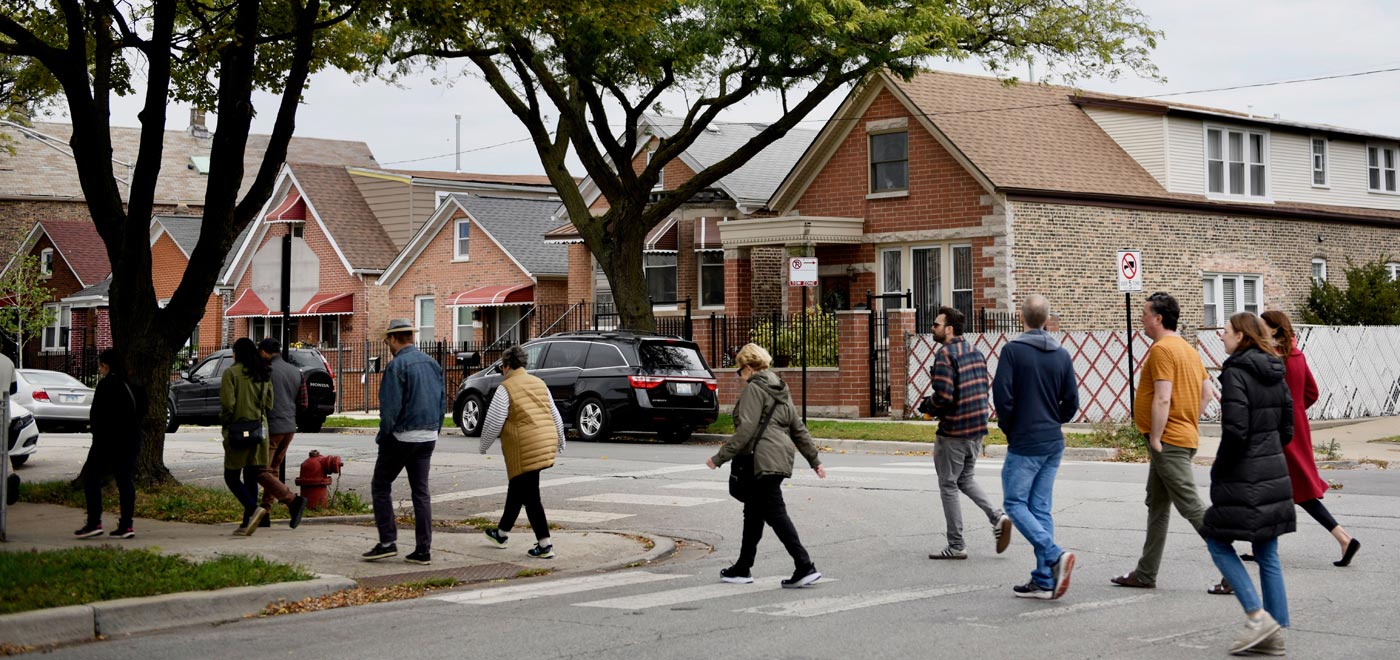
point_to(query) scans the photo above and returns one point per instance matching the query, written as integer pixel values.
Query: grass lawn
(338, 422)
(899, 431)
(181, 502)
(54, 578)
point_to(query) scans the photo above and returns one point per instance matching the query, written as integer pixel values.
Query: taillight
(40, 395)
(711, 384)
(330, 371)
(645, 382)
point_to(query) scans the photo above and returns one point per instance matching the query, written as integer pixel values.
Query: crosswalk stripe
(700, 485)
(685, 595)
(635, 498)
(562, 481)
(1084, 607)
(553, 588)
(568, 516)
(834, 604)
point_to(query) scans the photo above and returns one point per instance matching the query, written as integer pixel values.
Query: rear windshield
(51, 379)
(672, 358)
(304, 358)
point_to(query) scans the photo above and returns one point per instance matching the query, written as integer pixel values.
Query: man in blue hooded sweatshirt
(1035, 391)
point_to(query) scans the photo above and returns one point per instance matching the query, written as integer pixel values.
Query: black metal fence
(789, 338)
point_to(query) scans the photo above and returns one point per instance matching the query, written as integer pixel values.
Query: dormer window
(1319, 162)
(46, 262)
(1380, 169)
(1236, 163)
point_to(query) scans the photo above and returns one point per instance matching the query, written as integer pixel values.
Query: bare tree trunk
(617, 244)
(149, 357)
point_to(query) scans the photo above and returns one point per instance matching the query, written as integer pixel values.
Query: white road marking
(636, 498)
(700, 485)
(1085, 607)
(562, 481)
(834, 604)
(686, 595)
(553, 588)
(569, 516)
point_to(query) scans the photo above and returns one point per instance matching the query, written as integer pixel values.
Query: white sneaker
(1254, 633)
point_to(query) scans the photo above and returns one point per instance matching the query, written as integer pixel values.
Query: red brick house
(71, 258)
(476, 270)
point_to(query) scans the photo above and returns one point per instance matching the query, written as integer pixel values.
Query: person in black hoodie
(1250, 493)
(117, 408)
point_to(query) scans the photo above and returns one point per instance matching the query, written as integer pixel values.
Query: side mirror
(184, 375)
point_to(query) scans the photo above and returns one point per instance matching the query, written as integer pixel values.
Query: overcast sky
(1208, 44)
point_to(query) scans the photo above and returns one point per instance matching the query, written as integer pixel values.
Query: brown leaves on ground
(349, 598)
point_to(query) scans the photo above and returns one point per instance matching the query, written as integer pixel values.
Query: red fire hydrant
(316, 473)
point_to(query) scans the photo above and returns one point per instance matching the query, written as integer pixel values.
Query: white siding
(1140, 134)
(1187, 155)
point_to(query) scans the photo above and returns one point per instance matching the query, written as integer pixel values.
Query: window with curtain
(56, 334)
(46, 262)
(927, 263)
(661, 276)
(462, 327)
(889, 162)
(711, 278)
(892, 271)
(425, 317)
(962, 279)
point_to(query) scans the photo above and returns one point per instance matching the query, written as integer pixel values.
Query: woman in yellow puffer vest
(522, 414)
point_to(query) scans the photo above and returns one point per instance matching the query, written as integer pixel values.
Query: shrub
(784, 341)
(1371, 297)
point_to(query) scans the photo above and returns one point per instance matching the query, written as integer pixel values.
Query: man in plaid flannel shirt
(959, 401)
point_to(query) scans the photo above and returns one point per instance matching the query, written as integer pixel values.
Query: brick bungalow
(71, 257)
(478, 264)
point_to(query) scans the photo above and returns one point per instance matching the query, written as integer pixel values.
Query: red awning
(321, 304)
(494, 296)
(662, 237)
(707, 234)
(292, 209)
(565, 233)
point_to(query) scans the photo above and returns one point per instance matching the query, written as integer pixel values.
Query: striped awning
(707, 234)
(292, 209)
(494, 296)
(249, 305)
(565, 233)
(662, 237)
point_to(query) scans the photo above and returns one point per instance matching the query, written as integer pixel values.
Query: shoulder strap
(762, 427)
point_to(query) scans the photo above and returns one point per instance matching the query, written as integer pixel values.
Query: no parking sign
(1129, 271)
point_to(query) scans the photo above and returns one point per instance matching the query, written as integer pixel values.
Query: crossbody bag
(741, 469)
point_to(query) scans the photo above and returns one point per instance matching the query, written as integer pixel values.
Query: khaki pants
(1170, 482)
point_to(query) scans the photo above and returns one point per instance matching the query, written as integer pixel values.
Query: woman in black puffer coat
(1250, 493)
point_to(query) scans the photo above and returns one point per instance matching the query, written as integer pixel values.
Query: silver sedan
(55, 398)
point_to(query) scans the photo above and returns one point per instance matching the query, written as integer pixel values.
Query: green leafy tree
(1371, 297)
(24, 316)
(579, 74)
(213, 54)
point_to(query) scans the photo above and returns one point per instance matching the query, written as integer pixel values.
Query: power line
(453, 153)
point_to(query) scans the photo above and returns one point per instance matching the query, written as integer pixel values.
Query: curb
(125, 616)
(663, 547)
(896, 447)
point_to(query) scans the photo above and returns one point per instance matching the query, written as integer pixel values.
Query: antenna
(457, 166)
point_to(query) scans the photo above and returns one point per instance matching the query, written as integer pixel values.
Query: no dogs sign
(1129, 271)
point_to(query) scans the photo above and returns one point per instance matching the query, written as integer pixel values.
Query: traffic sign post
(802, 272)
(1129, 267)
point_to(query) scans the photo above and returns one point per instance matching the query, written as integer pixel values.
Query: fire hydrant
(316, 473)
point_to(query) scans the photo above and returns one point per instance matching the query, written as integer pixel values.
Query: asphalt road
(869, 527)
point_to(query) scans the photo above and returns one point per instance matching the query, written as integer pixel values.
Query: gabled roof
(43, 168)
(515, 225)
(353, 227)
(77, 243)
(183, 230)
(95, 295)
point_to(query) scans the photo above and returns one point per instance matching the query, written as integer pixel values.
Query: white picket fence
(1357, 368)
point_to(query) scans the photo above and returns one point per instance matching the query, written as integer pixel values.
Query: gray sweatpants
(956, 459)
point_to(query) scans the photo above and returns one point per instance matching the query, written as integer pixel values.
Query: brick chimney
(197, 127)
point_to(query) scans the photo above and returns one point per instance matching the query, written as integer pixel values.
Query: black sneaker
(420, 557)
(266, 521)
(1033, 590)
(88, 531)
(296, 508)
(496, 537)
(123, 533)
(380, 551)
(802, 577)
(733, 575)
(546, 552)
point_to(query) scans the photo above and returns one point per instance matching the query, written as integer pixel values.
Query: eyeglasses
(739, 372)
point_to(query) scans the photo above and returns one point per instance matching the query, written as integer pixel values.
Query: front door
(507, 320)
(927, 264)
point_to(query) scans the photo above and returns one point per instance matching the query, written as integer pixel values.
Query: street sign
(802, 271)
(1129, 271)
(267, 274)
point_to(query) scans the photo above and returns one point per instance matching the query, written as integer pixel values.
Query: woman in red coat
(1308, 486)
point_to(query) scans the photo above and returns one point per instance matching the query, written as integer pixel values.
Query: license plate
(685, 389)
(70, 398)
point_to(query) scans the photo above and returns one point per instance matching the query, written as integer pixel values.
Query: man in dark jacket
(281, 426)
(1035, 391)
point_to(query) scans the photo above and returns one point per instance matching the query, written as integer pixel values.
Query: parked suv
(195, 397)
(608, 382)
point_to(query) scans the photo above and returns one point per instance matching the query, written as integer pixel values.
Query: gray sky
(1208, 44)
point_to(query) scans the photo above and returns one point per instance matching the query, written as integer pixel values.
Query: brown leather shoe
(1132, 580)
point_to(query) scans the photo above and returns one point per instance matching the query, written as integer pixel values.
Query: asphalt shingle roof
(519, 224)
(754, 181)
(351, 223)
(82, 247)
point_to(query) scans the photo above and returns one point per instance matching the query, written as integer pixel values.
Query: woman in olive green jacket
(773, 459)
(245, 395)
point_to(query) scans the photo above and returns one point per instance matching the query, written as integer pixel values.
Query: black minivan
(606, 382)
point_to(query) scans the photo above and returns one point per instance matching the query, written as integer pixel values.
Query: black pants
(765, 506)
(1320, 514)
(244, 486)
(97, 471)
(524, 490)
(396, 457)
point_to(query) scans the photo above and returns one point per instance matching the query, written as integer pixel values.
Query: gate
(880, 347)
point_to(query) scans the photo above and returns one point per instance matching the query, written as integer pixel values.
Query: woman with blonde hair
(768, 430)
(1308, 486)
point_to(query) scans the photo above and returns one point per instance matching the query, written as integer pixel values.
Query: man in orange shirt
(1172, 390)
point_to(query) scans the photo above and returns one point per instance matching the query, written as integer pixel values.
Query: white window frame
(438, 196)
(1319, 275)
(1318, 160)
(871, 192)
(700, 267)
(676, 266)
(46, 263)
(1218, 279)
(60, 343)
(904, 276)
(1381, 150)
(457, 326)
(946, 268)
(1394, 269)
(418, 318)
(660, 175)
(1245, 134)
(457, 253)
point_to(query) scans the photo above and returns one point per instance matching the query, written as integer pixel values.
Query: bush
(823, 341)
(1370, 298)
(1122, 436)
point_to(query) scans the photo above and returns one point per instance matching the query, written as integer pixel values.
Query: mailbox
(469, 359)
(373, 365)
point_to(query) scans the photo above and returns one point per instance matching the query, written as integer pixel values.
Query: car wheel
(17, 461)
(172, 424)
(469, 415)
(674, 436)
(311, 424)
(591, 421)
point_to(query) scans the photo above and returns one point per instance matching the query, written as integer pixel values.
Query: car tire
(172, 423)
(591, 420)
(674, 436)
(16, 461)
(469, 415)
(311, 424)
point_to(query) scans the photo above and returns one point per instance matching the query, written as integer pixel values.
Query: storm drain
(464, 574)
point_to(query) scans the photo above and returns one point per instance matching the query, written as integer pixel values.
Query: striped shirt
(496, 419)
(960, 386)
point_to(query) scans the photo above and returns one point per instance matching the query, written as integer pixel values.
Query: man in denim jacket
(412, 400)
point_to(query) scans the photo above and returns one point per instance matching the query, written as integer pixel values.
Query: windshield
(51, 379)
(672, 358)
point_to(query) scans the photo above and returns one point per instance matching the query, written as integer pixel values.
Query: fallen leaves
(351, 598)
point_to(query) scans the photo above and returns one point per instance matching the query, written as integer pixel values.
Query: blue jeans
(1270, 577)
(1028, 485)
